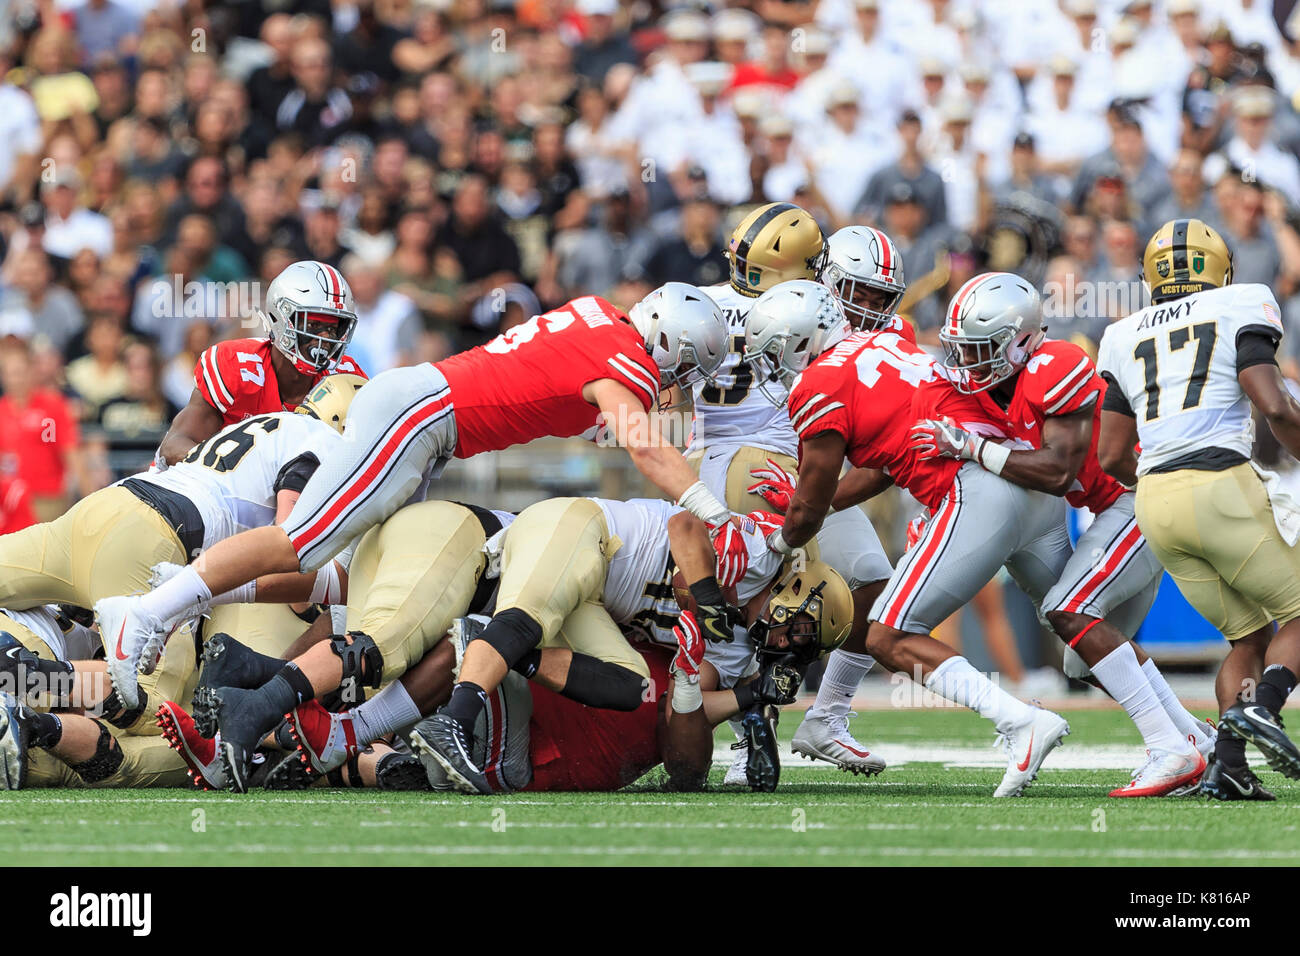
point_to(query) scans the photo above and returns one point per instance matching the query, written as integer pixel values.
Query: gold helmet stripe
(757, 226)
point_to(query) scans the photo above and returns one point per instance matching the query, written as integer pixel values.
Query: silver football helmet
(309, 313)
(685, 333)
(993, 325)
(865, 271)
(789, 326)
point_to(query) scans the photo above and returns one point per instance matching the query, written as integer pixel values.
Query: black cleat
(1263, 728)
(401, 772)
(1221, 782)
(763, 768)
(288, 773)
(242, 727)
(204, 711)
(14, 736)
(228, 663)
(443, 739)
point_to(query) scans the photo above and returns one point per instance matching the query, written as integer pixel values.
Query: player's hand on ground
(775, 485)
(690, 648)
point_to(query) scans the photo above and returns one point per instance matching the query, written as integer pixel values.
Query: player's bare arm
(1117, 446)
(859, 485)
(196, 422)
(820, 460)
(1264, 387)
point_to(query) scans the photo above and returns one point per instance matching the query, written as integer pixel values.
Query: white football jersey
(231, 477)
(734, 411)
(639, 585)
(1176, 365)
(78, 643)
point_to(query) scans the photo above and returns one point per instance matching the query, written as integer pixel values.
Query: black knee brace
(363, 662)
(119, 717)
(598, 683)
(512, 634)
(108, 757)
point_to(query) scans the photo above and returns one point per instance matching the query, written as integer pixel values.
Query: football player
(859, 398)
(311, 319)
(1183, 374)
(741, 433)
(248, 474)
(1048, 395)
(572, 571)
(567, 372)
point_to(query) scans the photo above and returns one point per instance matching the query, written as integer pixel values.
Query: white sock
(244, 594)
(959, 682)
(738, 729)
(1118, 672)
(844, 671)
(1182, 718)
(173, 597)
(389, 710)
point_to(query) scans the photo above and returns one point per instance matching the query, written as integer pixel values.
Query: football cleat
(289, 773)
(1222, 782)
(828, 738)
(14, 736)
(202, 763)
(228, 663)
(323, 741)
(1163, 773)
(763, 767)
(1263, 728)
(1027, 746)
(736, 776)
(396, 771)
(434, 776)
(443, 739)
(132, 642)
(241, 731)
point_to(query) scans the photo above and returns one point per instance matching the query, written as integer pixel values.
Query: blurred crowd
(466, 163)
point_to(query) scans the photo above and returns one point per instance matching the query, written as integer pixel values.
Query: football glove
(732, 556)
(916, 528)
(716, 622)
(944, 439)
(775, 485)
(690, 648)
(778, 682)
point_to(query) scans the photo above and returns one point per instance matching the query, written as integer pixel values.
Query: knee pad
(122, 718)
(598, 683)
(363, 662)
(108, 757)
(512, 634)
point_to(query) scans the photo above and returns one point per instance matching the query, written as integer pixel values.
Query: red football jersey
(527, 383)
(576, 747)
(1060, 379)
(238, 379)
(865, 389)
(903, 328)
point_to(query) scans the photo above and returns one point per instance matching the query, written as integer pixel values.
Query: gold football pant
(146, 762)
(1214, 533)
(556, 557)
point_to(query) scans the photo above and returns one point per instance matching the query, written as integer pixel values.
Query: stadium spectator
(38, 434)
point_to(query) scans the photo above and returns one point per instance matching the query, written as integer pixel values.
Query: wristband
(993, 457)
(686, 694)
(745, 696)
(776, 541)
(707, 593)
(699, 501)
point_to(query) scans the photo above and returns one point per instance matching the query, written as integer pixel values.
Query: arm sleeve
(1115, 400)
(294, 475)
(1256, 345)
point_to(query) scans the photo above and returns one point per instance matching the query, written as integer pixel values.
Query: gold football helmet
(330, 400)
(1185, 256)
(773, 244)
(810, 587)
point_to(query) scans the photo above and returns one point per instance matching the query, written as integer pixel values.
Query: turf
(914, 814)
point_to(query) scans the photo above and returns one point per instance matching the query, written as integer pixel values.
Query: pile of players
(288, 552)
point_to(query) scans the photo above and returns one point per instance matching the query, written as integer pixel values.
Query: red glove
(690, 647)
(732, 555)
(775, 485)
(916, 528)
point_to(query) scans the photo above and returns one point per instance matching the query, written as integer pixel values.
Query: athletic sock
(1186, 723)
(467, 702)
(1121, 676)
(389, 710)
(283, 692)
(1275, 687)
(1229, 749)
(844, 671)
(956, 680)
(172, 597)
(737, 727)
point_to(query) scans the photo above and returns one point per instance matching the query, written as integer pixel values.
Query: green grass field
(916, 813)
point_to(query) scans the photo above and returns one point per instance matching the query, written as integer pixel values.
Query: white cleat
(828, 738)
(132, 642)
(1027, 747)
(1165, 774)
(736, 775)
